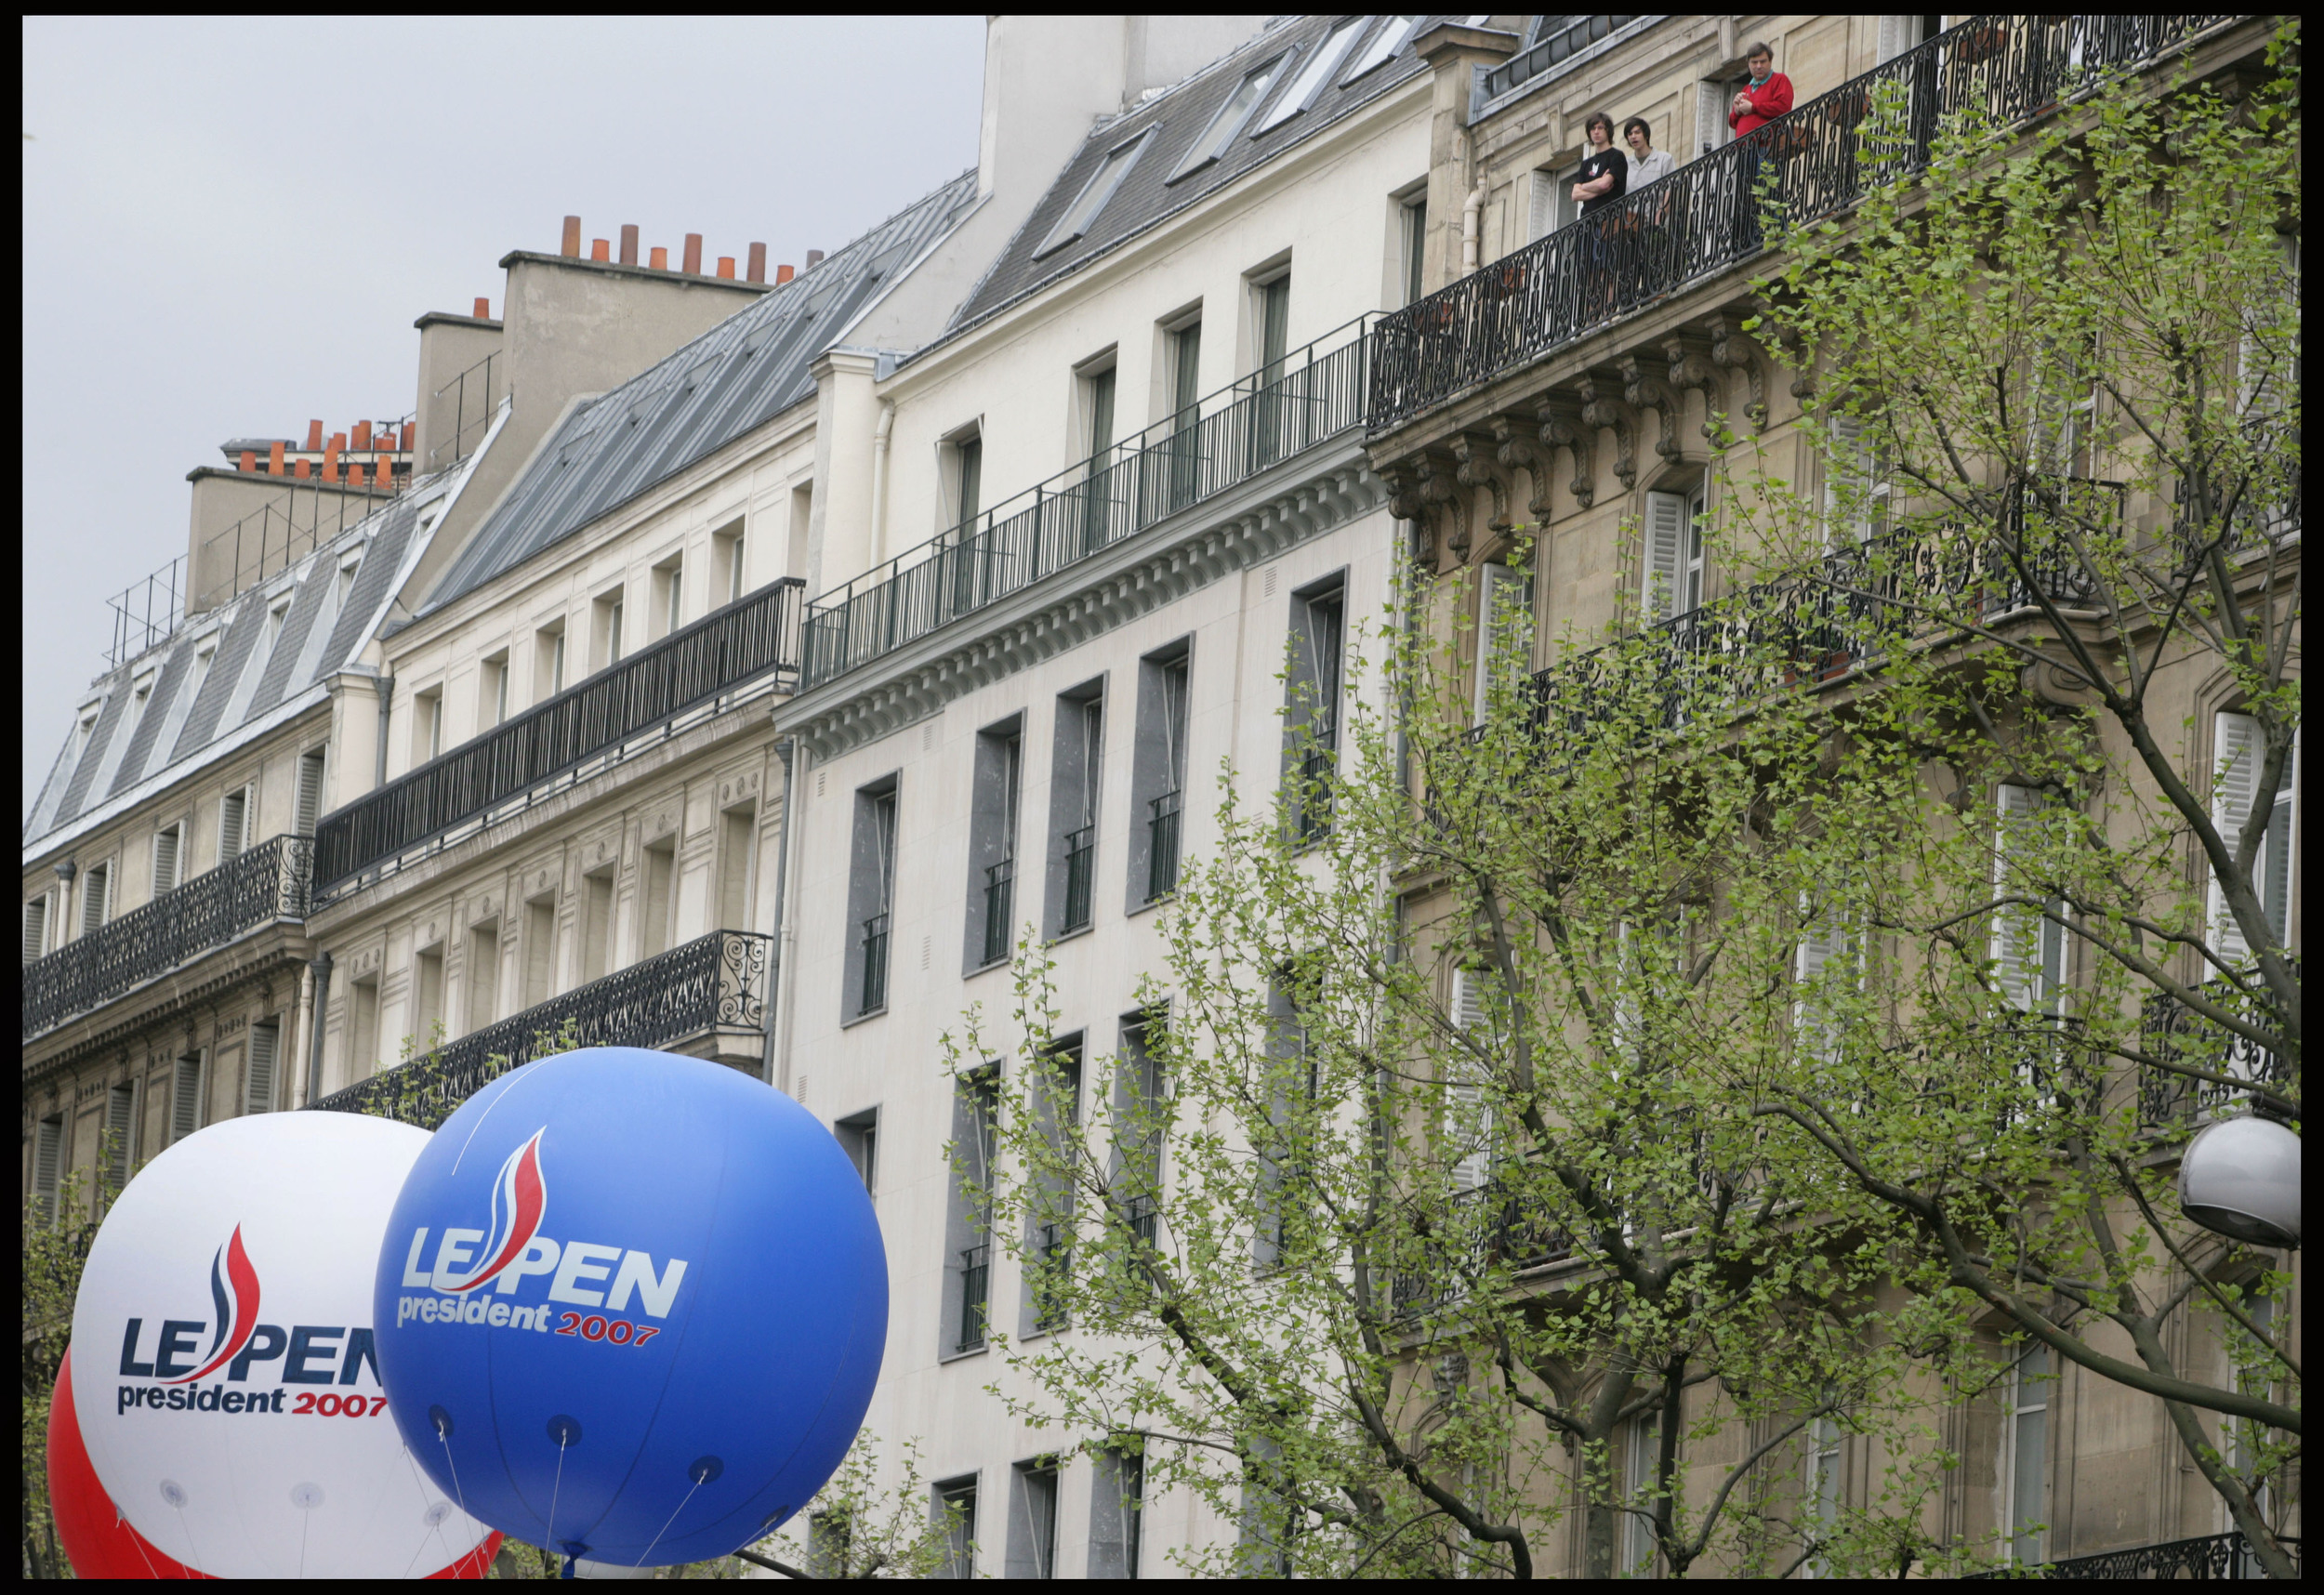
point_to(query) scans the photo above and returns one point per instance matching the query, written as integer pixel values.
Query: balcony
(1711, 215)
(694, 674)
(1227, 437)
(718, 986)
(2211, 1556)
(2169, 1029)
(267, 886)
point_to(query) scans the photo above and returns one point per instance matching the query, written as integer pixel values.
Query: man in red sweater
(1766, 96)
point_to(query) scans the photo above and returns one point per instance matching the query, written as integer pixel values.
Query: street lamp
(2240, 1177)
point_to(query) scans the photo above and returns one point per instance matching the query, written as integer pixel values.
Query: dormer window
(1310, 82)
(1231, 117)
(1386, 43)
(1083, 212)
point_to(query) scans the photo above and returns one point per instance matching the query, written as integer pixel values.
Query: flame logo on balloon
(230, 1269)
(519, 1197)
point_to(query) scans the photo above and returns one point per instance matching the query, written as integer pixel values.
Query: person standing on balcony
(1651, 220)
(1757, 102)
(1604, 175)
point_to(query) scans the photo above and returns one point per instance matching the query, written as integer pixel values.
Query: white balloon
(225, 1384)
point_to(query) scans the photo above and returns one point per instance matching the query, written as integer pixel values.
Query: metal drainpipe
(879, 481)
(379, 767)
(319, 969)
(778, 996)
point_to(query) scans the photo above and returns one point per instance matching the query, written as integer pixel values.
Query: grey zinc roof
(738, 376)
(1177, 118)
(235, 630)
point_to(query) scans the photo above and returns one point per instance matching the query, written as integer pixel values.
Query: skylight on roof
(1386, 43)
(1310, 82)
(1082, 214)
(1230, 119)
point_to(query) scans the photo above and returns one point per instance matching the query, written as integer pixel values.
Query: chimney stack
(726, 266)
(249, 465)
(314, 436)
(660, 258)
(362, 435)
(693, 255)
(302, 469)
(629, 244)
(410, 428)
(758, 262)
(483, 309)
(571, 246)
(814, 258)
(783, 274)
(331, 456)
(600, 250)
(275, 457)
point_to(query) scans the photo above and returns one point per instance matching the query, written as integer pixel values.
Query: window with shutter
(311, 773)
(2028, 948)
(1504, 605)
(1824, 966)
(47, 1166)
(36, 928)
(1856, 487)
(1710, 116)
(1467, 1113)
(165, 851)
(2240, 751)
(233, 824)
(259, 1079)
(1541, 210)
(185, 1098)
(121, 1134)
(1662, 588)
(97, 897)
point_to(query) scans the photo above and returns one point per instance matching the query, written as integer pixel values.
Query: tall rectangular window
(362, 1029)
(1413, 247)
(1117, 1488)
(1271, 408)
(426, 996)
(2026, 1456)
(491, 690)
(967, 1223)
(483, 974)
(871, 899)
(185, 1097)
(49, 1156)
(597, 925)
(233, 824)
(2239, 752)
(858, 1136)
(1046, 1275)
(670, 595)
(1504, 635)
(1642, 1446)
(1186, 476)
(1312, 708)
(1157, 773)
(1033, 1520)
(97, 897)
(549, 661)
(260, 1068)
(1291, 1089)
(968, 483)
(120, 1136)
(37, 914)
(1468, 1104)
(1141, 1114)
(956, 1517)
(1855, 484)
(427, 725)
(309, 806)
(657, 897)
(607, 612)
(1100, 488)
(738, 864)
(169, 849)
(540, 950)
(1822, 1484)
(1671, 583)
(992, 812)
(1075, 764)
(728, 562)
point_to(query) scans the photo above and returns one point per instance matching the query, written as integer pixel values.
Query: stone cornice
(1158, 566)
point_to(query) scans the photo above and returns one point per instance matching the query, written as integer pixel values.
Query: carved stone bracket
(1563, 428)
(1600, 407)
(1642, 386)
(1518, 447)
(1794, 345)
(1732, 350)
(1440, 490)
(1691, 371)
(1479, 466)
(1418, 489)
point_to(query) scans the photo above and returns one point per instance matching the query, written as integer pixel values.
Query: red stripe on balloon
(245, 1282)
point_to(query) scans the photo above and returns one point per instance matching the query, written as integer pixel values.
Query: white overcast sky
(230, 225)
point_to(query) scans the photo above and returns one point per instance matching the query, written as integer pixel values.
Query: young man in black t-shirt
(1604, 175)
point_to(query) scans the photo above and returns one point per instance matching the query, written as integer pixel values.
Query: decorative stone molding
(1733, 351)
(1480, 465)
(1691, 371)
(1517, 446)
(1602, 409)
(1046, 620)
(1794, 346)
(1563, 428)
(1644, 389)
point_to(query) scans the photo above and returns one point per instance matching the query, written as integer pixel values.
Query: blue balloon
(631, 1306)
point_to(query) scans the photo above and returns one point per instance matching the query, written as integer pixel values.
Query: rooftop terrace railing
(719, 982)
(1711, 214)
(695, 668)
(267, 885)
(1286, 407)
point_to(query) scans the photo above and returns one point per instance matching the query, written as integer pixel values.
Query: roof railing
(1258, 421)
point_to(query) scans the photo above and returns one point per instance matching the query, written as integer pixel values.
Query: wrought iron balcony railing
(2211, 1556)
(548, 746)
(719, 982)
(873, 995)
(268, 885)
(1000, 892)
(2169, 1030)
(1287, 406)
(1055, 1251)
(1162, 823)
(1081, 851)
(1490, 1225)
(976, 1273)
(1719, 211)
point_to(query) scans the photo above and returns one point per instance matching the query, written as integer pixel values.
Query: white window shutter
(1711, 116)
(1666, 556)
(1504, 600)
(233, 824)
(2017, 942)
(2236, 745)
(47, 1166)
(36, 929)
(258, 1094)
(1542, 206)
(1468, 1117)
(1847, 518)
(1825, 940)
(1897, 36)
(310, 778)
(166, 859)
(2280, 863)
(121, 1131)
